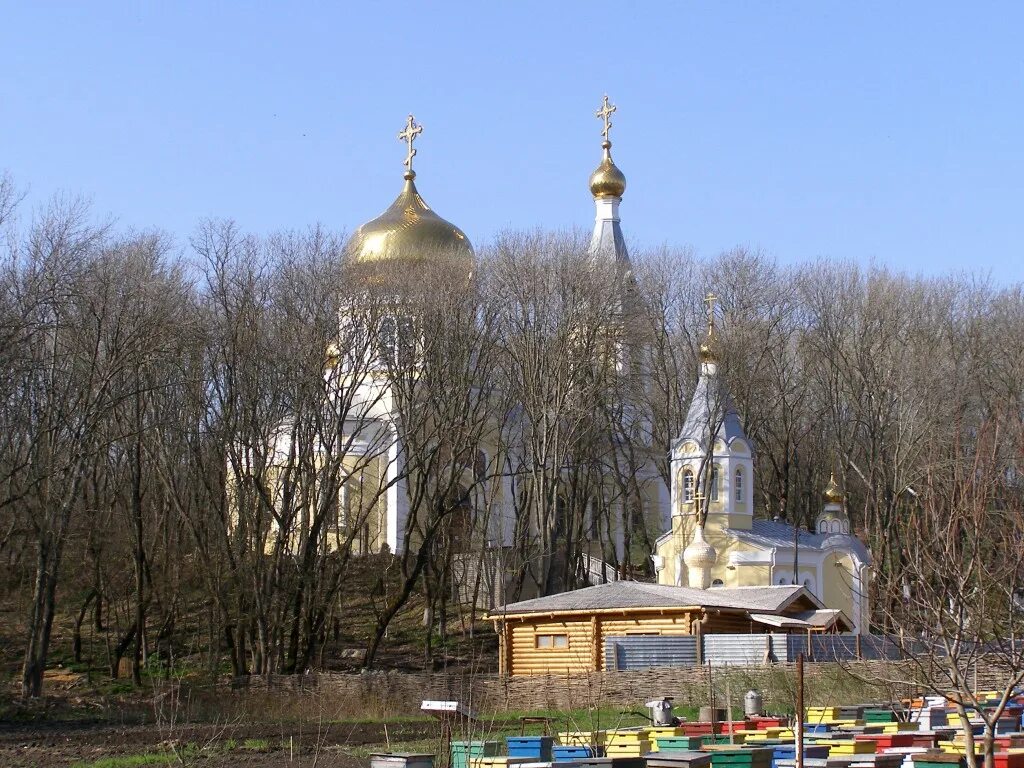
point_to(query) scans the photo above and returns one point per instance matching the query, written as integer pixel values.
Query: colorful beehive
(839, 747)
(679, 759)
(462, 751)
(570, 754)
(631, 742)
(741, 757)
(619, 761)
(887, 740)
(678, 743)
(721, 738)
(768, 722)
(936, 759)
(536, 748)
(900, 726)
(722, 726)
(788, 752)
(822, 714)
(401, 760)
(582, 738)
(655, 733)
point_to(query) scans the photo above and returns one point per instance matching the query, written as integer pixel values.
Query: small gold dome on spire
(607, 180)
(832, 493)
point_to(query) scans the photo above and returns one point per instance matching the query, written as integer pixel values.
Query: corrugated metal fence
(643, 651)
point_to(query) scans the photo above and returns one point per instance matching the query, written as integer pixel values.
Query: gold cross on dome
(605, 113)
(408, 135)
(711, 300)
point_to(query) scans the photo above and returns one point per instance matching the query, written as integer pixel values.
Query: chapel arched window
(688, 486)
(739, 484)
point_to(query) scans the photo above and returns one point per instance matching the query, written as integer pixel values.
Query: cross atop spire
(408, 135)
(605, 113)
(711, 300)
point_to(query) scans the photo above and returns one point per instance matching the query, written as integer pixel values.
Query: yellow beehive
(899, 727)
(837, 747)
(822, 714)
(582, 738)
(632, 742)
(628, 750)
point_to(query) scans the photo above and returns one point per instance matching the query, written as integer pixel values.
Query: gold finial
(708, 353)
(832, 493)
(408, 135)
(711, 300)
(605, 113)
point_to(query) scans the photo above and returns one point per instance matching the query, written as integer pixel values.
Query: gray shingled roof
(711, 403)
(637, 594)
(778, 534)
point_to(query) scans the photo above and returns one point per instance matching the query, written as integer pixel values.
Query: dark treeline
(178, 424)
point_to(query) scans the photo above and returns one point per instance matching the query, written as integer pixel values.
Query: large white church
(710, 535)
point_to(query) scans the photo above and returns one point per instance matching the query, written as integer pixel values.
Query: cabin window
(739, 484)
(687, 486)
(714, 483)
(552, 641)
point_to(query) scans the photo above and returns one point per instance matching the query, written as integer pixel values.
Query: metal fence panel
(642, 651)
(739, 650)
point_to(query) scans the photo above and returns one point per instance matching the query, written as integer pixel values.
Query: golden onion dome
(832, 493)
(709, 347)
(607, 180)
(410, 232)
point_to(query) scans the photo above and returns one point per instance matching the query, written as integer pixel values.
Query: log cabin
(566, 633)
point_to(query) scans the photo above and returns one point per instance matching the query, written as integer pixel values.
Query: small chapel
(714, 541)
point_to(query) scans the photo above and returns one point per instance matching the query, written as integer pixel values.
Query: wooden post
(700, 638)
(595, 640)
(860, 654)
(711, 696)
(728, 708)
(799, 731)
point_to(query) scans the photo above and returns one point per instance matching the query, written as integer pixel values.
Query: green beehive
(463, 751)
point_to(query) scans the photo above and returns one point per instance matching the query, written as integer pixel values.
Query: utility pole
(799, 730)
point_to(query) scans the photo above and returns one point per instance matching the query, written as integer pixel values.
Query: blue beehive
(788, 752)
(569, 753)
(534, 747)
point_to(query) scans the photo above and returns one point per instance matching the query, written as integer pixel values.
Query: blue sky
(881, 132)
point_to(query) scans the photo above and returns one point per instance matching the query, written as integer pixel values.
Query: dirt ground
(339, 745)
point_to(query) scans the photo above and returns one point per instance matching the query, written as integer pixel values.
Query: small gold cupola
(832, 493)
(409, 232)
(607, 180)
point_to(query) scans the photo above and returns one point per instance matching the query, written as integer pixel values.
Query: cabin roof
(819, 619)
(638, 594)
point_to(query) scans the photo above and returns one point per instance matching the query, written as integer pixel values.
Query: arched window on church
(739, 484)
(714, 483)
(688, 486)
